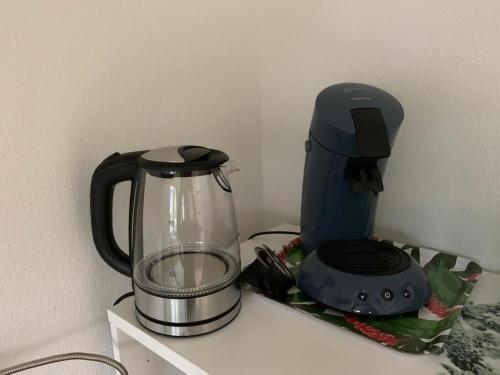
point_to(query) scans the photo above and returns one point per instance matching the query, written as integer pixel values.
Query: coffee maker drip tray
(364, 257)
(364, 277)
(186, 271)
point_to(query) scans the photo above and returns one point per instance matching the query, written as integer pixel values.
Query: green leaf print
(412, 327)
(446, 286)
(414, 251)
(444, 260)
(295, 256)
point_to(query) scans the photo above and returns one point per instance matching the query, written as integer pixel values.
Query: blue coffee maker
(350, 139)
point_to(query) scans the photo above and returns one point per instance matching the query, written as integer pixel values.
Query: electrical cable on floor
(274, 232)
(65, 357)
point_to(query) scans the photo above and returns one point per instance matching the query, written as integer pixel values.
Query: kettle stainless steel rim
(145, 280)
(188, 316)
(192, 329)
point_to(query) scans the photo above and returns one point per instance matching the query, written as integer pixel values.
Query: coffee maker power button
(387, 295)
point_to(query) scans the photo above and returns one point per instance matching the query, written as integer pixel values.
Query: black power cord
(122, 297)
(274, 232)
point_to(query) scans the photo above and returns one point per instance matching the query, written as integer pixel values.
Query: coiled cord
(65, 357)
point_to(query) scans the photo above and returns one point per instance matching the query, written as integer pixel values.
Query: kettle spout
(229, 167)
(222, 173)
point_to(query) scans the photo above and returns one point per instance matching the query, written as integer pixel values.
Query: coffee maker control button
(362, 296)
(406, 293)
(387, 295)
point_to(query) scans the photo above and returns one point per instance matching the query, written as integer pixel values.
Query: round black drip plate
(364, 257)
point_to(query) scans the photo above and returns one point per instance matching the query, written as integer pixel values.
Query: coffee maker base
(195, 329)
(364, 277)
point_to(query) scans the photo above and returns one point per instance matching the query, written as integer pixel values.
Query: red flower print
(372, 332)
(435, 306)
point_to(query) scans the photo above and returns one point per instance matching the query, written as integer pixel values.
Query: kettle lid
(185, 158)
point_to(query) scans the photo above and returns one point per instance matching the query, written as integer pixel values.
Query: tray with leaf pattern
(452, 280)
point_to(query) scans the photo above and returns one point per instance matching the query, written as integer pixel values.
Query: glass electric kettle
(184, 243)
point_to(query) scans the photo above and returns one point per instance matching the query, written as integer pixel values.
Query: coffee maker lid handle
(372, 144)
(114, 169)
(371, 133)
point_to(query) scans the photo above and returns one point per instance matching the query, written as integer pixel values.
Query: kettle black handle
(114, 169)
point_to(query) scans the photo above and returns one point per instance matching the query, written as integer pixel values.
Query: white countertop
(268, 338)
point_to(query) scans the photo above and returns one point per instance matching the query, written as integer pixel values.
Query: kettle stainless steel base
(188, 316)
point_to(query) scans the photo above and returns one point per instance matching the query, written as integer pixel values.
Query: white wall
(441, 60)
(78, 81)
(82, 79)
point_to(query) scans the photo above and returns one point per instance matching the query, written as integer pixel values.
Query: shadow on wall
(406, 238)
(395, 235)
(273, 218)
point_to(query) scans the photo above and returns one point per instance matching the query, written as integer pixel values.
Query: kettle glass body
(185, 242)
